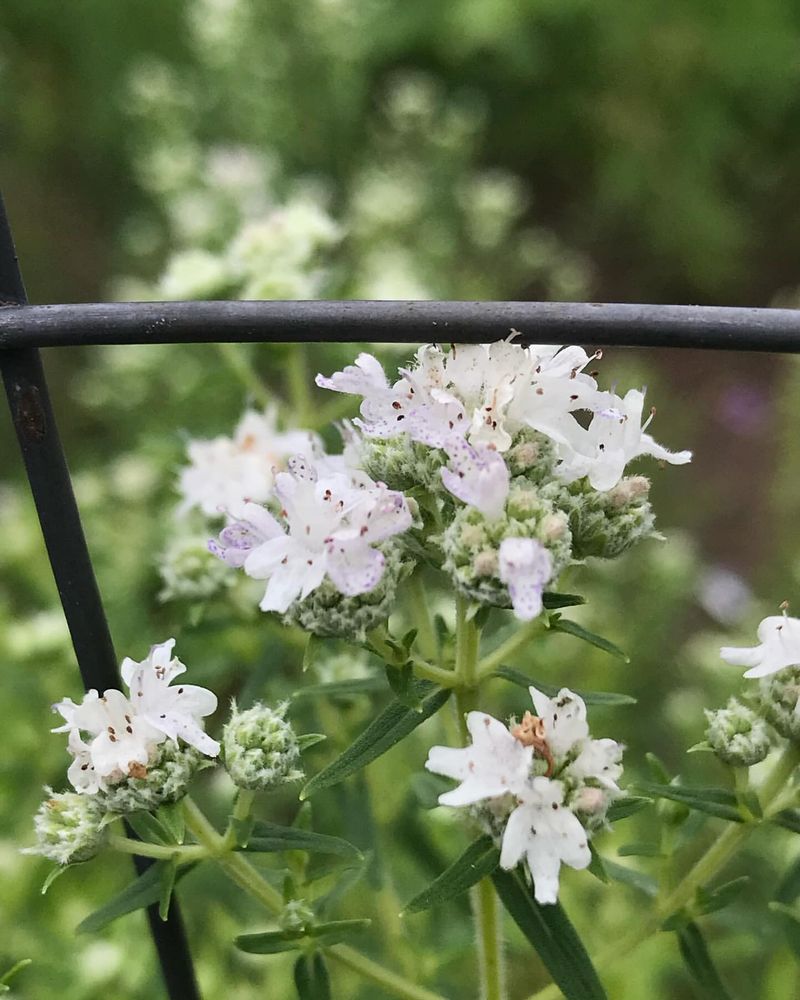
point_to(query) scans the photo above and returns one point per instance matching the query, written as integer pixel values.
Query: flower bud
(404, 464)
(532, 455)
(779, 698)
(605, 524)
(260, 748)
(67, 827)
(165, 779)
(737, 735)
(189, 573)
(296, 916)
(328, 613)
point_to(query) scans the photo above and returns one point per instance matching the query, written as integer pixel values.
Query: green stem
(240, 366)
(299, 391)
(242, 808)
(127, 845)
(467, 643)
(507, 649)
(240, 871)
(445, 678)
(422, 617)
(490, 942)
(704, 869)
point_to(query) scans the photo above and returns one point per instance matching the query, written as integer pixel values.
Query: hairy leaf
(478, 860)
(268, 838)
(393, 724)
(142, 892)
(590, 697)
(715, 801)
(573, 628)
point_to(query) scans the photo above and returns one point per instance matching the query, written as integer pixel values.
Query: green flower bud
(189, 572)
(328, 613)
(779, 696)
(532, 455)
(296, 916)
(404, 464)
(260, 749)
(606, 524)
(471, 543)
(67, 827)
(165, 779)
(737, 735)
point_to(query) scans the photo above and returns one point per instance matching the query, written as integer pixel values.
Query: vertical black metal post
(51, 486)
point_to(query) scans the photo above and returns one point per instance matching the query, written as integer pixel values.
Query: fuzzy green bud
(532, 455)
(68, 828)
(165, 779)
(296, 916)
(189, 572)
(737, 735)
(329, 613)
(260, 749)
(779, 696)
(404, 464)
(471, 543)
(605, 524)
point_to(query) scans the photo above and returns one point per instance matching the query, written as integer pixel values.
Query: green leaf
(149, 829)
(392, 725)
(308, 740)
(52, 875)
(273, 942)
(553, 937)
(553, 601)
(658, 769)
(633, 879)
(341, 689)
(626, 806)
(640, 849)
(143, 892)
(573, 628)
(169, 872)
(267, 838)
(478, 860)
(270, 942)
(311, 978)
(401, 681)
(789, 819)
(711, 900)
(590, 697)
(171, 818)
(6, 978)
(242, 830)
(597, 865)
(317, 650)
(715, 801)
(697, 958)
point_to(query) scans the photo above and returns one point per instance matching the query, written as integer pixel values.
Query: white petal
(525, 567)
(779, 647)
(564, 719)
(354, 567)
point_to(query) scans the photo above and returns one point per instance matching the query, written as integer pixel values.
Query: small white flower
(546, 833)
(525, 567)
(224, 471)
(614, 437)
(173, 711)
(477, 476)
(122, 732)
(779, 647)
(331, 524)
(494, 764)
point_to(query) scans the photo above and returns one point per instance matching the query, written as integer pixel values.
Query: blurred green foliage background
(558, 149)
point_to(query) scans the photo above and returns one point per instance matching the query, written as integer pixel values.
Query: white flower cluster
(544, 783)
(113, 737)
(475, 405)
(331, 520)
(226, 470)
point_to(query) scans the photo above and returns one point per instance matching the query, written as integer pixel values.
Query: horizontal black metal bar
(714, 327)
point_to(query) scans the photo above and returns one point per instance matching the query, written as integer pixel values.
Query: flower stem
(243, 874)
(488, 923)
(127, 845)
(506, 649)
(704, 869)
(467, 643)
(422, 617)
(298, 386)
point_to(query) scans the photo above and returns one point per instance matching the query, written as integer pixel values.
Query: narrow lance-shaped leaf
(268, 838)
(478, 860)
(590, 697)
(311, 978)
(273, 942)
(168, 875)
(393, 724)
(626, 806)
(573, 628)
(143, 892)
(553, 601)
(342, 689)
(715, 801)
(553, 937)
(697, 958)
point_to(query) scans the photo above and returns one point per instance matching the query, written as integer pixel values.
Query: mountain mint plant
(420, 569)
